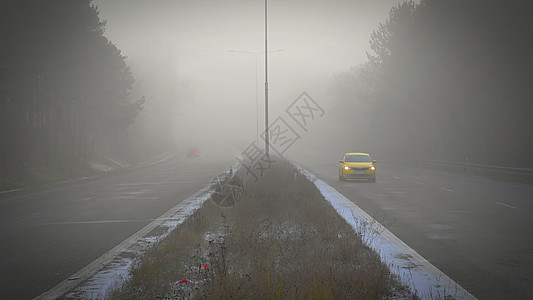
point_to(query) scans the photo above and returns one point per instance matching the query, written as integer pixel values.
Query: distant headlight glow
(372, 168)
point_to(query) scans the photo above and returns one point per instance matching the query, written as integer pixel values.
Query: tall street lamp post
(267, 142)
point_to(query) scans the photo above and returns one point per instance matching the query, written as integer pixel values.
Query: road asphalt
(49, 233)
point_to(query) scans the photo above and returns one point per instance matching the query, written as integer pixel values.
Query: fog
(435, 80)
(310, 42)
(89, 87)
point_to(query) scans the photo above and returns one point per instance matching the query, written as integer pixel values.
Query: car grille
(359, 169)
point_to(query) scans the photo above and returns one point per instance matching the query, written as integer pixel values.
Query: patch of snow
(100, 166)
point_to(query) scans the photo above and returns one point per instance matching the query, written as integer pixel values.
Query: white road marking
(135, 193)
(440, 226)
(191, 171)
(437, 236)
(129, 197)
(447, 190)
(510, 206)
(418, 182)
(137, 184)
(15, 190)
(74, 180)
(100, 222)
(85, 199)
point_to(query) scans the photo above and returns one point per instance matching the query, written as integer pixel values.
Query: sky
(310, 40)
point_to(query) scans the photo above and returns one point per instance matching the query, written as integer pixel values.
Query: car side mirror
(374, 161)
(340, 161)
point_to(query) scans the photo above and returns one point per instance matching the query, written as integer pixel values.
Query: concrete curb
(413, 270)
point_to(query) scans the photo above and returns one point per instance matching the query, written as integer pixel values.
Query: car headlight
(372, 168)
(346, 168)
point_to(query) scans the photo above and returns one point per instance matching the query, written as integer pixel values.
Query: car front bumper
(349, 174)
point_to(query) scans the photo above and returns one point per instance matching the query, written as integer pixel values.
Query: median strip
(280, 239)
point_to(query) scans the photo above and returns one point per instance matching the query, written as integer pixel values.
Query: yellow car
(357, 166)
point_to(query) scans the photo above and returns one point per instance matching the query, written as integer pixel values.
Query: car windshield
(357, 158)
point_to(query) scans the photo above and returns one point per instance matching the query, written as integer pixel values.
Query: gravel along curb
(94, 280)
(415, 271)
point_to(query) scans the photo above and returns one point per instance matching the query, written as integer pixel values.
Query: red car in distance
(193, 152)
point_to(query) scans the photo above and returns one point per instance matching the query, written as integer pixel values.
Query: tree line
(447, 80)
(63, 85)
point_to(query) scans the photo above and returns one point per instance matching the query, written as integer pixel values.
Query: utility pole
(267, 141)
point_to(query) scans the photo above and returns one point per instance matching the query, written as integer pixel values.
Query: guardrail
(522, 175)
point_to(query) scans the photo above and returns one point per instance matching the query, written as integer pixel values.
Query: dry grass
(282, 240)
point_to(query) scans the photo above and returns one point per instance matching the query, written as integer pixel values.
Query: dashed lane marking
(447, 190)
(507, 205)
(100, 222)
